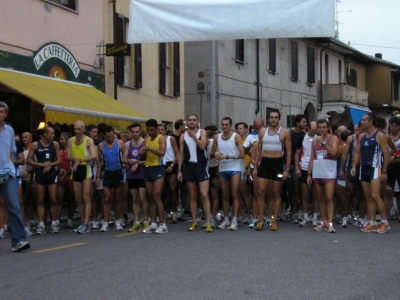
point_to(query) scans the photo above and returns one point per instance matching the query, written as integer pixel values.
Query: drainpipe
(115, 41)
(320, 76)
(258, 75)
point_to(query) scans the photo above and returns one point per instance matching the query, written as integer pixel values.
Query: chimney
(378, 55)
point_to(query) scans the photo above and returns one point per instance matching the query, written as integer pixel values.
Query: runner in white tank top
(170, 161)
(228, 149)
(271, 165)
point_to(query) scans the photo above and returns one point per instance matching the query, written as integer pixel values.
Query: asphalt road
(292, 263)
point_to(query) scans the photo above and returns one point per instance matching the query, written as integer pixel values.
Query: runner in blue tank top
(372, 146)
(109, 158)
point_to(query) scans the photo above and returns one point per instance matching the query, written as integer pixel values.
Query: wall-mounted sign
(118, 50)
(54, 50)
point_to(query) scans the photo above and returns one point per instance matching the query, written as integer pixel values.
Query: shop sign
(118, 50)
(54, 50)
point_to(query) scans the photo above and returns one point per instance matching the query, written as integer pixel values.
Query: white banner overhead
(154, 21)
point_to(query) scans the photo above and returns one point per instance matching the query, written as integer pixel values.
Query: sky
(371, 22)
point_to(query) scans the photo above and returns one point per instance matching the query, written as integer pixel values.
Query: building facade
(319, 77)
(151, 79)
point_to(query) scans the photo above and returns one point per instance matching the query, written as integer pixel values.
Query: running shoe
(174, 218)
(95, 225)
(40, 230)
(84, 228)
(2, 233)
(135, 227)
(212, 222)
(370, 228)
(209, 228)
(253, 224)
(383, 227)
(224, 225)
(260, 226)
(193, 227)
(274, 226)
(104, 227)
(55, 228)
(247, 220)
(28, 232)
(20, 246)
(234, 226)
(145, 224)
(219, 217)
(268, 223)
(118, 226)
(69, 223)
(344, 222)
(162, 229)
(303, 223)
(331, 229)
(150, 229)
(32, 225)
(318, 227)
(314, 223)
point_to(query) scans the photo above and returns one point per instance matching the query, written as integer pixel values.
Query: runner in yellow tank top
(152, 159)
(81, 151)
(153, 177)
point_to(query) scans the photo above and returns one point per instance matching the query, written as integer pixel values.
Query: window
(239, 51)
(129, 68)
(326, 69)
(340, 71)
(71, 4)
(272, 55)
(295, 60)
(310, 65)
(352, 78)
(396, 87)
(169, 68)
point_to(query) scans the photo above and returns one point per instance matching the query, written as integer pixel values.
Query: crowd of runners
(146, 177)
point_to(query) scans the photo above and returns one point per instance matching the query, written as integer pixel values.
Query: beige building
(151, 79)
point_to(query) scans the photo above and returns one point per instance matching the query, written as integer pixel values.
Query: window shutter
(272, 55)
(295, 67)
(310, 65)
(138, 65)
(396, 87)
(240, 50)
(163, 61)
(177, 72)
(119, 60)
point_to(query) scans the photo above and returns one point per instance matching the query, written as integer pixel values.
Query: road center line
(59, 248)
(129, 233)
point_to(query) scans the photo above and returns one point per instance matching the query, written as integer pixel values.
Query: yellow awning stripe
(65, 102)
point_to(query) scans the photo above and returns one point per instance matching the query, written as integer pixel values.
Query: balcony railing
(344, 93)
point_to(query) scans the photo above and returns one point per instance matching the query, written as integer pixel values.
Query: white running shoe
(234, 226)
(104, 227)
(150, 229)
(224, 225)
(118, 226)
(161, 229)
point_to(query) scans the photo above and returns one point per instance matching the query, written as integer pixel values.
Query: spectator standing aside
(8, 186)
